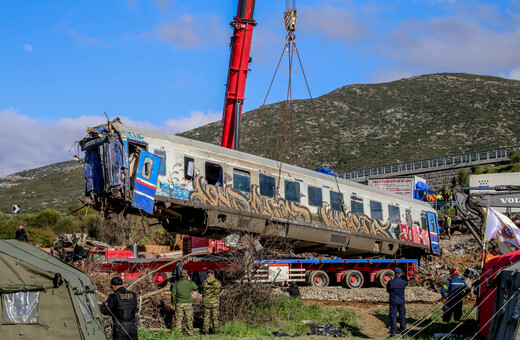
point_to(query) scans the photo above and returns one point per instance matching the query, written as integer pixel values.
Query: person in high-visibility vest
(454, 291)
(446, 226)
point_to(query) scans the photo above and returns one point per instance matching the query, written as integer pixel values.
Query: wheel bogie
(383, 276)
(352, 279)
(318, 278)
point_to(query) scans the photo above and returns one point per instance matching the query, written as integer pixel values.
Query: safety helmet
(454, 272)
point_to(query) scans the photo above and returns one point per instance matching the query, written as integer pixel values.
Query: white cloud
(334, 23)
(386, 75)
(86, 40)
(187, 32)
(515, 73)
(27, 143)
(27, 48)
(454, 44)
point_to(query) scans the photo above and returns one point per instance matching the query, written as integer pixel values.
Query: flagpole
(484, 242)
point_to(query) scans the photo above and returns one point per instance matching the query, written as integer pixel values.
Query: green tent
(44, 298)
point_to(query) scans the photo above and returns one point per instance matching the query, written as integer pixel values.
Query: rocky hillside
(418, 117)
(55, 186)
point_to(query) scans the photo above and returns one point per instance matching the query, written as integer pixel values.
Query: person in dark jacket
(293, 289)
(182, 302)
(122, 307)
(176, 273)
(395, 289)
(21, 234)
(454, 291)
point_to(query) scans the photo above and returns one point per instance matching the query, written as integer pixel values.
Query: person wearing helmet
(395, 289)
(454, 291)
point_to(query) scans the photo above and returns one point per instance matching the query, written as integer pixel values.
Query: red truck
(125, 264)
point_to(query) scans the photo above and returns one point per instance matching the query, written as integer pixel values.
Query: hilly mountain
(363, 125)
(56, 186)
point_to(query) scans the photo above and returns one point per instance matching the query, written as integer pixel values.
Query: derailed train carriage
(204, 190)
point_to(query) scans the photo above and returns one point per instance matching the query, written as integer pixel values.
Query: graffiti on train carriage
(234, 199)
(225, 196)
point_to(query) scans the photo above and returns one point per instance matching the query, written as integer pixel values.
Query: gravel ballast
(412, 294)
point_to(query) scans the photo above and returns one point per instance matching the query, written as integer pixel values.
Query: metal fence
(431, 164)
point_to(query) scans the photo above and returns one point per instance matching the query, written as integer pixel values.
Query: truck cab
(105, 256)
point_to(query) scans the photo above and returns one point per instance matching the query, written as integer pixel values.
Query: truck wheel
(318, 278)
(352, 279)
(159, 279)
(383, 276)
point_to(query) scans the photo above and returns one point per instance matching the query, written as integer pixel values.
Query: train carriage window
(409, 221)
(356, 206)
(424, 221)
(267, 185)
(336, 200)
(315, 196)
(394, 214)
(162, 166)
(376, 210)
(213, 174)
(146, 172)
(189, 168)
(292, 191)
(241, 180)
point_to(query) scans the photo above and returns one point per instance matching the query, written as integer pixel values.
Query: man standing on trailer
(395, 288)
(454, 291)
(182, 302)
(211, 288)
(176, 273)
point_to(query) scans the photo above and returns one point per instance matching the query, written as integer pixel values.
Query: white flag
(501, 228)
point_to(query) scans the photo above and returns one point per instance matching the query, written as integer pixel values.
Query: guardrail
(430, 164)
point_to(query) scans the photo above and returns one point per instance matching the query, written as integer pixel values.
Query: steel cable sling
(429, 314)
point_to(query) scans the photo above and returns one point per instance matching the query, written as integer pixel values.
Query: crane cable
(430, 313)
(291, 47)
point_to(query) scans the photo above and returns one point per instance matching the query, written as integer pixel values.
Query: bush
(68, 225)
(463, 178)
(514, 157)
(41, 236)
(47, 218)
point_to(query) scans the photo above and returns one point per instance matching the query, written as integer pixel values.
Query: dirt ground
(373, 320)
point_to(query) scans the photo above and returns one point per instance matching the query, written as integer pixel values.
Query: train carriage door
(146, 181)
(434, 232)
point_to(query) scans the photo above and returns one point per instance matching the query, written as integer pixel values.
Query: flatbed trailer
(350, 273)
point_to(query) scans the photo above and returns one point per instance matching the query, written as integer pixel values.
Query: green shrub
(514, 157)
(463, 178)
(41, 236)
(47, 218)
(69, 225)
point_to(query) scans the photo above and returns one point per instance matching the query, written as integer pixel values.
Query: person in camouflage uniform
(182, 302)
(210, 301)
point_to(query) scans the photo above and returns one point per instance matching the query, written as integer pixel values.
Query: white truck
(413, 187)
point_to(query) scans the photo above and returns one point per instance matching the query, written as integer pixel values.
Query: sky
(162, 64)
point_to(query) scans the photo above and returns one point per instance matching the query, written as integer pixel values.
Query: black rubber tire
(383, 276)
(318, 278)
(352, 279)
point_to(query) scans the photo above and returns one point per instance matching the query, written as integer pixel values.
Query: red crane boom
(238, 67)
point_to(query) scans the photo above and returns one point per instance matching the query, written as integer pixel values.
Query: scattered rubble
(462, 252)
